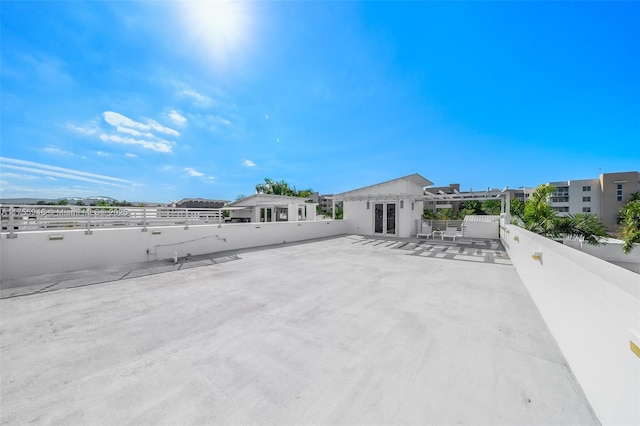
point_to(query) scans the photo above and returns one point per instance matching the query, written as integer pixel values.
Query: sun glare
(219, 27)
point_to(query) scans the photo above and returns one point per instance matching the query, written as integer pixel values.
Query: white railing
(24, 218)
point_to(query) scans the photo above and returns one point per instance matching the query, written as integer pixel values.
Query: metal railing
(24, 218)
(441, 225)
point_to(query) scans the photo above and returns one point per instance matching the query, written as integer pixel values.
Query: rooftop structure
(394, 329)
(273, 208)
(403, 333)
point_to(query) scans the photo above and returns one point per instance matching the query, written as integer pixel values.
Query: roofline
(274, 196)
(424, 180)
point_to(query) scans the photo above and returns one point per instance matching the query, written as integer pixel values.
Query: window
(561, 209)
(619, 192)
(586, 210)
(586, 199)
(586, 188)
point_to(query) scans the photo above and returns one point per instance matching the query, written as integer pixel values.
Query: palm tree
(539, 217)
(445, 214)
(491, 207)
(629, 230)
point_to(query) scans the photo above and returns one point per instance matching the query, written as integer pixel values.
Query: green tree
(274, 187)
(427, 213)
(516, 208)
(471, 207)
(539, 217)
(339, 212)
(63, 202)
(446, 214)
(629, 230)
(491, 207)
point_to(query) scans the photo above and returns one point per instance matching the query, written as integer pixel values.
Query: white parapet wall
(611, 252)
(43, 252)
(592, 308)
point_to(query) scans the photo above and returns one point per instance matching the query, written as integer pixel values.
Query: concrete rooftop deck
(350, 330)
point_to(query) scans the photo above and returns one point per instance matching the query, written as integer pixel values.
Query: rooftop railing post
(12, 233)
(186, 219)
(88, 231)
(144, 219)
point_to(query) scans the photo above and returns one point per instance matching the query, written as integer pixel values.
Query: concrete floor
(350, 330)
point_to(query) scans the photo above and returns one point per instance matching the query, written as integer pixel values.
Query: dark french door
(384, 218)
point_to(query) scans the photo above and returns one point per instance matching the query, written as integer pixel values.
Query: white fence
(64, 250)
(592, 308)
(469, 229)
(21, 218)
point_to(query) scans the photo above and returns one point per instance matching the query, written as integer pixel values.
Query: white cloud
(177, 117)
(89, 129)
(158, 146)
(19, 176)
(121, 122)
(116, 119)
(103, 154)
(154, 125)
(133, 132)
(60, 172)
(192, 172)
(249, 163)
(128, 154)
(50, 149)
(198, 99)
(216, 119)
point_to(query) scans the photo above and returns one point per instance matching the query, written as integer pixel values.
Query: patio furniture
(451, 232)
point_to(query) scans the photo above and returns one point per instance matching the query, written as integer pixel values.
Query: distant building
(200, 203)
(272, 208)
(325, 202)
(603, 196)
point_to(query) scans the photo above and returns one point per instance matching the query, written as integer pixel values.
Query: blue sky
(159, 100)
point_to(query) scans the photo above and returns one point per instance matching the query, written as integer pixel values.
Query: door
(384, 218)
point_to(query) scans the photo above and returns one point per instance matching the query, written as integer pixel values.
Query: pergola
(489, 194)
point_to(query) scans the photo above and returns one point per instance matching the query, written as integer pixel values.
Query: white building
(392, 208)
(272, 208)
(603, 196)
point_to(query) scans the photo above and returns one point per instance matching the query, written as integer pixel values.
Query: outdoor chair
(451, 232)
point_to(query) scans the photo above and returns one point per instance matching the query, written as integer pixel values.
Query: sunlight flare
(218, 27)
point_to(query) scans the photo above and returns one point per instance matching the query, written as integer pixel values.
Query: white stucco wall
(611, 252)
(361, 219)
(481, 230)
(401, 192)
(33, 253)
(590, 307)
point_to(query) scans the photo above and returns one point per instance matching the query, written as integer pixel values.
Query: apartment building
(603, 196)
